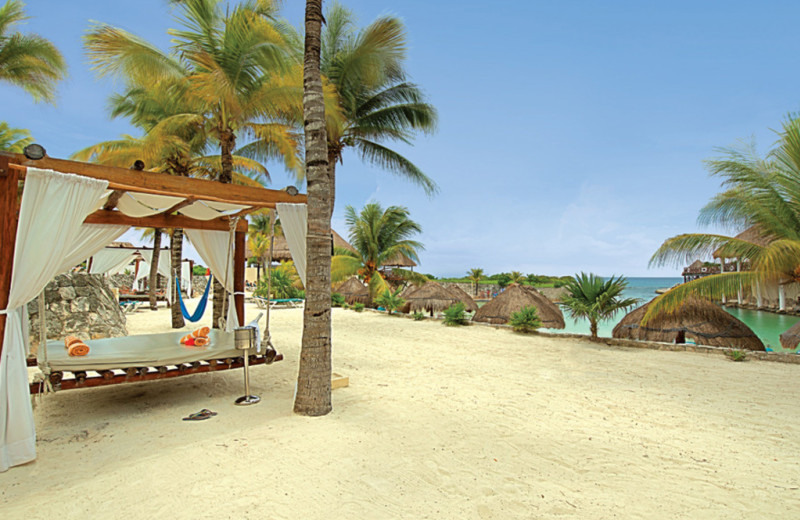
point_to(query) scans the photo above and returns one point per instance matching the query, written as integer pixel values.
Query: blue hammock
(201, 307)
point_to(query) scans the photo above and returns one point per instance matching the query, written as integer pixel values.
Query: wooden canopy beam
(161, 221)
(159, 183)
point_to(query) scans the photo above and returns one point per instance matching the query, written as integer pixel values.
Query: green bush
(345, 306)
(737, 355)
(503, 280)
(390, 301)
(337, 300)
(525, 320)
(455, 315)
(198, 270)
(418, 316)
(282, 286)
(358, 307)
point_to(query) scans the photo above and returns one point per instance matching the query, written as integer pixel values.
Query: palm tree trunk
(153, 278)
(227, 141)
(593, 327)
(176, 249)
(332, 174)
(313, 396)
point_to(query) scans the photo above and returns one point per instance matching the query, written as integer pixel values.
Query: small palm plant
(590, 297)
(390, 300)
(516, 277)
(525, 320)
(455, 314)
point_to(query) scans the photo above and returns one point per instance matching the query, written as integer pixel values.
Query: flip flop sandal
(200, 416)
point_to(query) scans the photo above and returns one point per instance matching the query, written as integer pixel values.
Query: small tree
(516, 277)
(475, 275)
(588, 296)
(455, 314)
(390, 300)
(503, 280)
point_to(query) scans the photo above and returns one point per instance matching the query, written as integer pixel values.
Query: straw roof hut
(469, 303)
(431, 297)
(696, 319)
(353, 291)
(499, 309)
(280, 249)
(791, 338)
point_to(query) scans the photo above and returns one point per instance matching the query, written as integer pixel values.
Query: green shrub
(390, 301)
(345, 306)
(503, 280)
(737, 355)
(418, 316)
(358, 307)
(525, 320)
(455, 315)
(337, 300)
(282, 286)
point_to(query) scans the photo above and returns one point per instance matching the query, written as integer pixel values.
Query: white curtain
(294, 219)
(110, 260)
(186, 279)
(92, 238)
(216, 250)
(164, 266)
(54, 206)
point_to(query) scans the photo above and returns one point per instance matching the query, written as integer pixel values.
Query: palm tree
(377, 236)
(13, 139)
(516, 277)
(475, 275)
(28, 60)
(313, 394)
(376, 103)
(759, 191)
(588, 296)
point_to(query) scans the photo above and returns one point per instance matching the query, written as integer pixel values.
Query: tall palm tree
(376, 103)
(475, 275)
(590, 297)
(313, 394)
(13, 139)
(28, 60)
(377, 235)
(759, 191)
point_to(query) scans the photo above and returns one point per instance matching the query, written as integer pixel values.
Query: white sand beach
(438, 422)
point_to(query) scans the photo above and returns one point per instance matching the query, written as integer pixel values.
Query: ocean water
(768, 326)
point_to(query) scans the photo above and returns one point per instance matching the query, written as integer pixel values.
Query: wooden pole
(8, 235)
(238, 274)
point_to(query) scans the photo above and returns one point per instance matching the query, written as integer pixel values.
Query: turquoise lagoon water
(767, 325)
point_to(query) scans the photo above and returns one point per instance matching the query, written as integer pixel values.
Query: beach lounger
(286, 302)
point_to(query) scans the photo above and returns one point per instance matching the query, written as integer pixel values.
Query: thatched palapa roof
(699, 320)
(791, 338)
(431, 297)
(353, 291)
(469, 303)
(280, 249)
(499, 309)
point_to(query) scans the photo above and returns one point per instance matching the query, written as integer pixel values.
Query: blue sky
(571, 134)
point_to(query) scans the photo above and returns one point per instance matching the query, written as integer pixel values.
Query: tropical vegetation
(761, 191)
(590, 296)
(390, 301)
(377, 235)
(475, 275)
(455, 315)
(13, 139)
(28, 61)
(525, 320)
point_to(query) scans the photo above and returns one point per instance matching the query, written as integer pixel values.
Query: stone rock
(78, 304)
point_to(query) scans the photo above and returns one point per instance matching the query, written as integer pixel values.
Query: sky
(571, 134)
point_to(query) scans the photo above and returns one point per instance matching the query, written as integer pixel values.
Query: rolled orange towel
(69, 340)
(201, 341)
(78, 349)
(186, 337)
(202, 331)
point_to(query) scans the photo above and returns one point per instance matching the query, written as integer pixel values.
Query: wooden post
(238, 274)
(8, 235)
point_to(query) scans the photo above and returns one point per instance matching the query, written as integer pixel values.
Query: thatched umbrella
(791, 338)
(697, 319)
(499, 309)
(469, 303)
(431, 297)
(353, 291)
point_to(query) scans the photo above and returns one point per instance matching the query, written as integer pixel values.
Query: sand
(438, 422)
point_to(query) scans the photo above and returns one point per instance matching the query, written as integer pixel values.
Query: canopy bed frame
(125, 197)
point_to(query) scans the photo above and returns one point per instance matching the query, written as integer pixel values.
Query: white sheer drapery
(92, 238)
(216, 250)
(164, 266)
(110, 260)
(43, 242)
(294, 219)
(186, 279)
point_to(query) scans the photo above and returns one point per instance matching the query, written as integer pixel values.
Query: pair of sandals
(202, 415)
